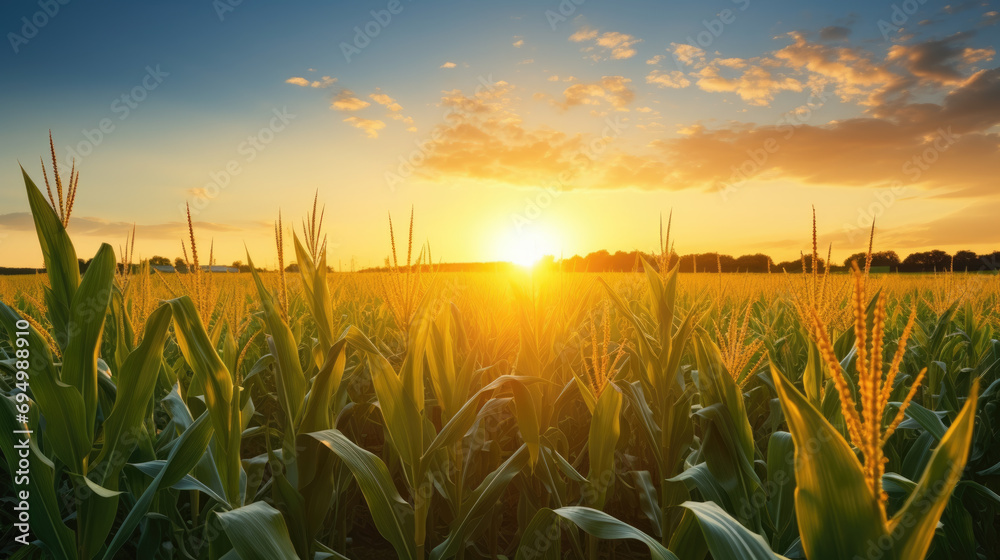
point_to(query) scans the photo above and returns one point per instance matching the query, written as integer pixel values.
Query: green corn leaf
(700, 478)
(459, 425)
(61, 264)
(781, 488)
(473, 510)
(927, 419)
(187, 482)
(403, 421)
(258, 532)
(726, 538)
(184, 455)
(594, 522)
(136, 382)
(290, 381)
(86, 326)
(393, 517)
(912, 528)
(316, 412)
(46, 521)
(648, 500)
(527, 420)
(61, 404)
(836, 511)
(605, 427)
(221, 393)
(317, 292)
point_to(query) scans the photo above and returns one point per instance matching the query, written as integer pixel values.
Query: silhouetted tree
(157, 260)
(796, 265)
(180, 265)
(927, 261)
(754, 263)
(882, 258)
(966, 260)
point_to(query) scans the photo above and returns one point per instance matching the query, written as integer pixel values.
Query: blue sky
(221, 73)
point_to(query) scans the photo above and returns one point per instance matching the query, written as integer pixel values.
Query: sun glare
(526, 248)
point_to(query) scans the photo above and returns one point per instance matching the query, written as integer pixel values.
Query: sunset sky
(510, 127)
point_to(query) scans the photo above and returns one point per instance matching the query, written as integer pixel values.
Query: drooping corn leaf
(594, 522)
(726, 538)
(257, 532)
(393, 517)
(482, 499)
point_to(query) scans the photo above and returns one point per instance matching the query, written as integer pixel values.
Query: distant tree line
(927, 261)
(628, 261)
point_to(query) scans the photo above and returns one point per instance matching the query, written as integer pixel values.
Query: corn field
(419, 414)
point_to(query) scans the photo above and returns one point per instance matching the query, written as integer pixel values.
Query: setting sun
(525, 248)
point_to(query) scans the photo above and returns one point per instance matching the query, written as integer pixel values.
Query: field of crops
(420, 414)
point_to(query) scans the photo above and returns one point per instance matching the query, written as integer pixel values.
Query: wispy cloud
(610, 44)
(324, 82)
(612, 89)
(369, 126)
(347, 101)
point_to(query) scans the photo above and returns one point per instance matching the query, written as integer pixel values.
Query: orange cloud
(347, 101)
(324, 82)
(613, 89)
(672, 79)
(611, 44)
(484, 139)
(756, 85)
(385, 100)
(850, 70)
(370, 126)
